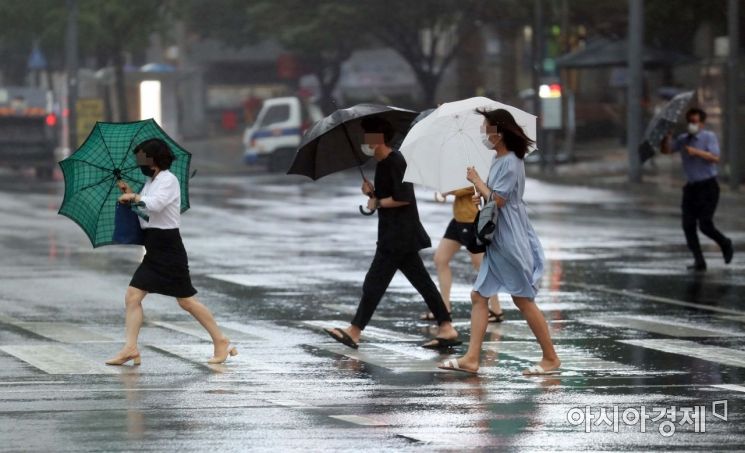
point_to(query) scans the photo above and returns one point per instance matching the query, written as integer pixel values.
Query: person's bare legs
(205, 318)
(476, 259)
(479, 321)
(444, 253)
(132, 323)
(537, 323)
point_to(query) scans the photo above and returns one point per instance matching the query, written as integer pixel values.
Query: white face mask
(367, 150)
(485, 140)
(693, 128)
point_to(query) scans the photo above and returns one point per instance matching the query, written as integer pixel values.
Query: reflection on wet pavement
(277, 259)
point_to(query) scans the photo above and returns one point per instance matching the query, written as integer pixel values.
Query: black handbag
(127, 228)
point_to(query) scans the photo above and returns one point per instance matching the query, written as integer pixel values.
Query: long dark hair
(513, 135)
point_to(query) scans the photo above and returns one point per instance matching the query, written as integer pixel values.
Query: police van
(276, 133)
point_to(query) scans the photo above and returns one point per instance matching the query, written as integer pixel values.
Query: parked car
(276, 133)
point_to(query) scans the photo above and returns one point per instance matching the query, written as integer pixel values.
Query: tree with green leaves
(428, 35)
(23, 23)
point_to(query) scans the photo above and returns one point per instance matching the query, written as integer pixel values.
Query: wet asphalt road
(277, 258)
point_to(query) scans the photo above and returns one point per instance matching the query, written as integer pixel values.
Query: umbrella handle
(364, 210)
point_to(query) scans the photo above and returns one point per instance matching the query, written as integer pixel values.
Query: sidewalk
(604, 163)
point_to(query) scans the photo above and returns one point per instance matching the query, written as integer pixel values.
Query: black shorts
(460, 232)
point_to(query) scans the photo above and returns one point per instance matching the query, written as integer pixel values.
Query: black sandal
(495, 317)
(344, 339)
(442, 343)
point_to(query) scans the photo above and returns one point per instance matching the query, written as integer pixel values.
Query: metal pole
(634, 91)
(71, 63)
(735, 161)
(537, 73)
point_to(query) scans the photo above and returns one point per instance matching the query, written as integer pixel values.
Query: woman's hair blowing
(513, 135)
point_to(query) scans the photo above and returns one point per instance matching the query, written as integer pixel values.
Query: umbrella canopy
(663, 122)
(106, 156)
(333, 144)
(604, 52)
(440, 147)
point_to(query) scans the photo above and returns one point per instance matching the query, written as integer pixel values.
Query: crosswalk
(64, 352)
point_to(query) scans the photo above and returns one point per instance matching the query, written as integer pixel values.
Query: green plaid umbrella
(107, 155)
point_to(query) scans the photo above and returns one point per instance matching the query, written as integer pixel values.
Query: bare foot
(447, 331)
(353, 332)
(221, 347)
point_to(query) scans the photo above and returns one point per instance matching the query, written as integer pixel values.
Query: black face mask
(147, 171)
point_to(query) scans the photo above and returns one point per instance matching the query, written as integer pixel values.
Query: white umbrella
(439, 148)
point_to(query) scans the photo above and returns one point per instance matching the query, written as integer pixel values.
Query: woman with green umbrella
(165, 268)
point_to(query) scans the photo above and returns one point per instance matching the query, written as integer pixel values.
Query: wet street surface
(653, 356)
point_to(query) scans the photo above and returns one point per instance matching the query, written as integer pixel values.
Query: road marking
(376, 354)
(572, 358)
(736, 388)
(370, 332)
(54, 359)
(194, 329)
(665, 325)
(716, 354)
(291, 403)
(359, 420)
(350, 310)
(195, 353)
(561, 330)
(58, 331)
(664, 300)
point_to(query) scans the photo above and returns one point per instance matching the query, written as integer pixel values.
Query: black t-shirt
(399, 229)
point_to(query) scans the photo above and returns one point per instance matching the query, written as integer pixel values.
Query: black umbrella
(661, 123)
(333, 144)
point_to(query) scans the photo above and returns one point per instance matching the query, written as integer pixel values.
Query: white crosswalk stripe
(572, 358)
(194, 329)
(59, 331)
(665, 325)
(370, 333)
(56, 359)
(716, 354)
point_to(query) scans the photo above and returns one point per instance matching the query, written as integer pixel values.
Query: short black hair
(378, 125)
(158, 150)
(696, 111)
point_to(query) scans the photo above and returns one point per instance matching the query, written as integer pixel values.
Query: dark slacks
(699, 204)
(382, 270)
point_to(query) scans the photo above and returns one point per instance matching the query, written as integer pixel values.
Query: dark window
(275, 114)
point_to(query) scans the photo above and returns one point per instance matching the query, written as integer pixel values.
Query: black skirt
(165, 268)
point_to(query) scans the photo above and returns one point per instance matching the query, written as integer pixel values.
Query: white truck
(276, 133)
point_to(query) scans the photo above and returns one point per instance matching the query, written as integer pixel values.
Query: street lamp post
(634, 89)
(71, 62)
(735, 160)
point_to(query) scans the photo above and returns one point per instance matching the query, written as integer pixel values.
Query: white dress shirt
(162, 198)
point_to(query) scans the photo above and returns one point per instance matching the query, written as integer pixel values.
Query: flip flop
(442, 343)
(452, 365)
(537, 370)
(344, 339)
(498, 317)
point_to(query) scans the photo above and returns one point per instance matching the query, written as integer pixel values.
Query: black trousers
(382, 270)
(699, 204)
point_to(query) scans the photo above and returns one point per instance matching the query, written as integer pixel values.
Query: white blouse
(162, 199)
